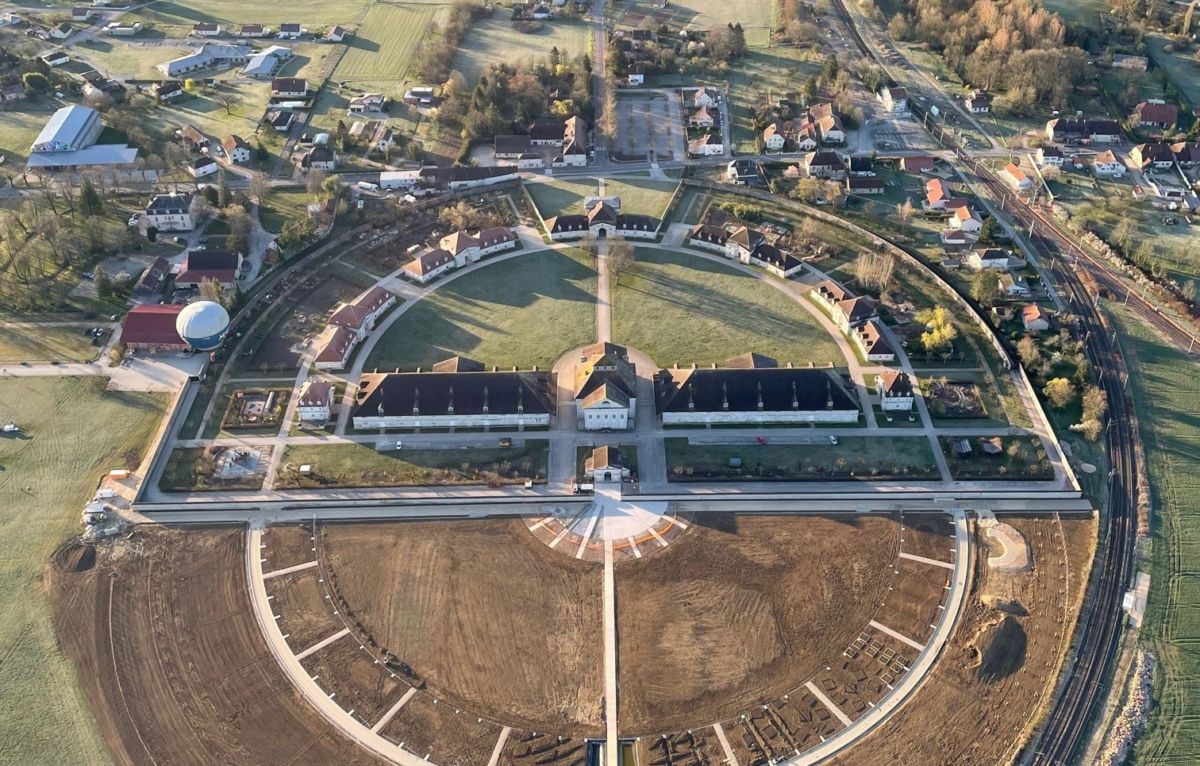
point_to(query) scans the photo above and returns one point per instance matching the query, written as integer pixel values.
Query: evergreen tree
(224, 197)
(89, 199)
(104, 285)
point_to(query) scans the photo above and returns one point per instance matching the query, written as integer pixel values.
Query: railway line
(1067, 725)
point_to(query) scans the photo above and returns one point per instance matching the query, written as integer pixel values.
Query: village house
(702, 98)
(167, 91)
(977, 102)
(896, 391)
(966, 220)
(750, 247)
(1156, 156)
(1035, 318)
(279, 119)
(253, 30)
(871, 342)
(336, 344)
(1132, 63)
(365, 104)
(236, 149)
(81, 14)
(219, 265)
(289, 87)
(471, 398)
(151, 327)
(991, 258)
(1106, 164)
(315, 404)
(511, 147)
(636, 75)
(708, 145)
(61, 31)
(1187, 154)
(745, 172)
(758, 394)
(702, 118)
(1079, 131)
(1013, 286)
(825, 164)
(1156, 113)
(467, 249)
(154, 277)
(361, 315)
(894, 100)
(865, 186)
(171, 212)
(605, 388)
(1050, 155)
(123, 28)
(862, 165)
(429, 266)
(316, 158)
(1018, 179)
(773, 138)
(290, 31)
(917, 164)
(606, 464)
(937, 194)
(206, 29)
(336, 34)
(202, 166)
(708, 237)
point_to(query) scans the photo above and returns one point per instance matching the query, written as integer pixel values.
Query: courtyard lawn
(120, 58)
(1022, 458)
(682, 308)
(46, 344)
(73, 430)
(866, 458)
(1163, 387)
(561, 196)
(640, 195)
(360, 465)
(495, 40)
(526, 311)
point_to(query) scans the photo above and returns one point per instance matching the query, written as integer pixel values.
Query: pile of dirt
(999, 648)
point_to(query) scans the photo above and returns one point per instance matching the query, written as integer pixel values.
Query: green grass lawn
(119, 58)
(74, 431)
(385, 43)
(641, 196)
(682, 308)
(1163, 388)
(209, 116)
(46, 344)
(1086, 12)
(753, 15)
(283, 206)
(561, 196)
(171, 17)
(360, 465)
(18, 129)
(862, 458)
(525, 311)
(495, 40)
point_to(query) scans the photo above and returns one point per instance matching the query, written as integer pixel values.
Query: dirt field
(311, 303)
(172, 660)
(524, 649)
(742, 610)
(305, 617)
(441, 733)
(348, 674)
(287, 545)
(1000, 664)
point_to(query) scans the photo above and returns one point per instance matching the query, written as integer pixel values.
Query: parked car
(133, 219)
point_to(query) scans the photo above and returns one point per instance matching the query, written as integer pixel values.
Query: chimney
(795, 399)
(691, 399)
(520, 399)
(828, 395)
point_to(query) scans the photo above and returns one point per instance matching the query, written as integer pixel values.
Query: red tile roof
(152, 325)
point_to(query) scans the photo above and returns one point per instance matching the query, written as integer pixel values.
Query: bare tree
(620, 258)
(874, 270)
(258, 187)
(228, 101)
(904, 212)
(316, 182)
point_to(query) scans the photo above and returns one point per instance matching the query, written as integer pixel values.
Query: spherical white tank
(203, 325)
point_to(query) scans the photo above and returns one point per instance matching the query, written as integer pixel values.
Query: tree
(1060, 392)
(1095, 402)
(1028, 351)
(904, 212)
(874, 270)
(808, 90)
(104, 285)
(240, 227)
(620, 258)
(35, 82)
(212, 290)
(808, 190)
(835, 193)
(985, 288)
(331, 187)
(151, 234)
(209, 195)
(228, 101)
(224, 197)
(316, 182)
(190, 85)
(90, 203)
(1189, 287)
(939, 329)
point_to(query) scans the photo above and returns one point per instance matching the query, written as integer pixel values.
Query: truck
(368, 186)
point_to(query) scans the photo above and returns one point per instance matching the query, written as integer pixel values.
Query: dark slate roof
(561, 223)
(605, 364)
(170, 203)
(637, 222)
(210, 260)
(780, 389)
(512, 144)
(544, 132)
(709, 233)
(748, 238)
(777, 258)
(602, 213)
(861, 163)
(431, 392)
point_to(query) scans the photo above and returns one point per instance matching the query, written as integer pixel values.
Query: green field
(385, 43)
(171, 17)
(561, 196)
(495, 40)
(360, 465)
(74, 431)
(45, 344)
(210, 117)
(283, 206)
(1085, 12)
(852, 458)
(682, 308)
(525, 311)
(700, 15)
(639, 195)
(17, 133)
(1163, 383)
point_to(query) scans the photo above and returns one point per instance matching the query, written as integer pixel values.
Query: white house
(606, 464)
(637, 75)
(966, 220)
(988, 258)
(428, 266)
(894, 100)
(1035, 318)
(171, 212)
(895, 389)
(1107, 164)
(202, 166)
(361, 315)
(206, 29)
(81, 14)
(467, 249)
(61, 31)
(1014, 286)
(335, 35)
(703, 98)
(701, 118)
(1050, 155)
(366, 103)
(236, 149)
(773, 138)
(869, 339)
(336, 344)
(123, 29)
(707, 145)
(1018, 179)
(605, 388)
(290, 31)
(316, 401)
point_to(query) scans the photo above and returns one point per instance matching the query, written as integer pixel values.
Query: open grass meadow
(1085, 12)
(209, 116)
(46, 344)
(121, 58)
(1167, 396)
(562, 196)
(527, 310)
(172, 17)
(386, 41)
(495, 40)
(682, 308)
(73, 430)
(18, 129)
(754, 16)
(283, 206)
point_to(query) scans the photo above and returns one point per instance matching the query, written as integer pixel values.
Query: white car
(133, 219)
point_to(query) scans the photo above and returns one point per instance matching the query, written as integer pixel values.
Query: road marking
(322, 644)
(730, 758)
(923, 560)
(898, 636)
(554, 543)
(390, 714)
(289, 570)
(820, 695)
(499, 748)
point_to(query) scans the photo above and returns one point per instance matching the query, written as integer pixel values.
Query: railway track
(1068, 723)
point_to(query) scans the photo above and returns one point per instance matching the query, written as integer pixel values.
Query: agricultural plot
(176, 18)
(72, 431)
(743, 609)
(383, 47)
(1164, 390)
(124, 59)
(495, 40)
(212, 118)
(853, 458)
(525, 311)
(755, 16)
(360, 465)
(682, 308)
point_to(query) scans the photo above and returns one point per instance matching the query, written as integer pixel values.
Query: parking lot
(649, 124)
(892, 135)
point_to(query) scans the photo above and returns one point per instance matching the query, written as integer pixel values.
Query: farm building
(220, 265)
(152, 328)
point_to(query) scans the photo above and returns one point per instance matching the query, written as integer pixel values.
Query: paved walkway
(612, 753)
(603, 294)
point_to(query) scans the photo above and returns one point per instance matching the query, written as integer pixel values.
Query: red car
(762, 440)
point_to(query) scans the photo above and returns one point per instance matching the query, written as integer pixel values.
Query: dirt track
(192, 681)
(742, 610)
(488, 618)
(999, 666)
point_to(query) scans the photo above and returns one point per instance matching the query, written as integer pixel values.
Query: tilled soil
(442, 734)
(480, 615)
(305, 617)
(997, 673)
(172, 660)
(742, 610)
